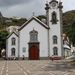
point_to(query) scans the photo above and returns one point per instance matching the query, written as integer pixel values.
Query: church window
(13, 51)
(24, 49)
(33, 36)
(55, 51)
(54, 39)
(54, 18)
(13, 41)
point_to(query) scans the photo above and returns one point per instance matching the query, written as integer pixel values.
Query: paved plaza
(40, 67)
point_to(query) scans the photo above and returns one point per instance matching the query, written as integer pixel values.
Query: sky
(25, 8)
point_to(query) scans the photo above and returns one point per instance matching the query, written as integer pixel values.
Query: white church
(37, 40)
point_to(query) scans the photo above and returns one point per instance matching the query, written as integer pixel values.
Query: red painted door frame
(34, 53)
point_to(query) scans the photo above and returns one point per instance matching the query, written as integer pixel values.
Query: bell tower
(54, 21)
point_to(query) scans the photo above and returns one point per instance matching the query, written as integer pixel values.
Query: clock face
(53, 4)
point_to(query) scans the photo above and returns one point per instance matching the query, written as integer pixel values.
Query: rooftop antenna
(59, 0)
(33, 14)
(46, 2)
(33, 28)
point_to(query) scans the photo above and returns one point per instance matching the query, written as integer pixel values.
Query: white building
(66, 46)
(37, 40)
(11, 29)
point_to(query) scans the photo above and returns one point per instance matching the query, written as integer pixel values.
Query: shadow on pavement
(64, 66)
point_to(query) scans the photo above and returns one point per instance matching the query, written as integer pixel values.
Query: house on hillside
(11, 29)
(66, 46)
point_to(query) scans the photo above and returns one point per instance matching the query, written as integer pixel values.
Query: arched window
(55, 51)
(13, 40)
(13, 51)
(54, 18)
(54, 39)
(33, 36)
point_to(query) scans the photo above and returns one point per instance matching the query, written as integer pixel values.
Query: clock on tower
(53, 4)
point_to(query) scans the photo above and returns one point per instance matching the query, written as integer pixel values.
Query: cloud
(68, 5)
(25, 8)
(4, 3)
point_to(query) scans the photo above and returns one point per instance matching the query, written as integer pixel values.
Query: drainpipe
(47, 22)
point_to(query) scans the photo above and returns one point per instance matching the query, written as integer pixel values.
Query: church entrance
(33, 51)
(33, 46)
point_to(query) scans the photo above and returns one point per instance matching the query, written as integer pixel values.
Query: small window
(54, 39)
(24, 49)
(13, 41)
(13, 51)
(55, 51)
(33, 36)
(54, 18)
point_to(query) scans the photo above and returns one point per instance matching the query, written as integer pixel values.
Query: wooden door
(33, 53)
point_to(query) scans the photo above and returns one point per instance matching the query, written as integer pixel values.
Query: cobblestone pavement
(40, 67)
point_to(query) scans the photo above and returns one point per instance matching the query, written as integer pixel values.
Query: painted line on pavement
(44, 66)
(7, 68)
(27, 71)
(2, 69)
(24, 68)
(66, 73)
(6, 73)
(20, 67)
(51, 73)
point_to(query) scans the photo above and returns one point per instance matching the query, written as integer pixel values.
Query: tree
(40, 17)
(3, 35)
(71, 33)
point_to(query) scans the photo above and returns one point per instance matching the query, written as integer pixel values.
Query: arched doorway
(34, 53)
(13, 52)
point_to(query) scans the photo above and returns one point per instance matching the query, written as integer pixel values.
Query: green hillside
(68, 25)
(6, 22)
(68, 19)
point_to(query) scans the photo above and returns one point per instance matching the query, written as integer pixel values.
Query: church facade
(35, 39)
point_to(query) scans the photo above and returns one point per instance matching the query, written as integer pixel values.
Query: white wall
(55, 29)
(42, 38)
(10, 46)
